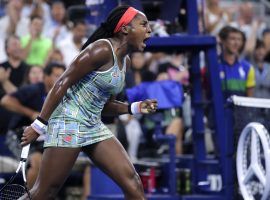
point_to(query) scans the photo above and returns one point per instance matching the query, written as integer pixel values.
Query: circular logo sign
(253, 162)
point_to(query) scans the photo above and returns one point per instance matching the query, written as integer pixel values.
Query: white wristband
(39, 127)
(136, 107)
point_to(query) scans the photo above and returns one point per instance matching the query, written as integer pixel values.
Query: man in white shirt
(71, 46)
(55, 27)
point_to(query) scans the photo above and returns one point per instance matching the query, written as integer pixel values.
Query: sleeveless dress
(76, 121)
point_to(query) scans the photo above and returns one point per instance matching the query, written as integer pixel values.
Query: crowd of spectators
(243, 44)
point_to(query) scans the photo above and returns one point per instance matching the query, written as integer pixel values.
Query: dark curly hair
(105, 30)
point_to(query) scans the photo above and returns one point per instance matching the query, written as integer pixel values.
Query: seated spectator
(173, 70)
(172, 118)
(12, 72)
(71, 46)
(12, 23)
(55, 56)
(172, 122)
(55, 26)
(262, 72)
(36, 7)
(216, 17)
(237, 75)
(134, 76)
(36, 47)
(138, 72)
(15, 67)
(34, 75)
(27, 103)
(266, 41)
(250, 25)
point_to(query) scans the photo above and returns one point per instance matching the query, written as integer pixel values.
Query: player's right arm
(95, 56)
(92, 58)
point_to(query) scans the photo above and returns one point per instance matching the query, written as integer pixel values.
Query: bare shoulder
(99, 52)
(93, 57)
(99, 46)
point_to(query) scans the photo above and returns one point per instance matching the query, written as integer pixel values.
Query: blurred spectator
(27, 103)
(262, 72)
(172, 121)
(237, 75)
(216, 17)
(71, 46)
(12, 23)
(34, 75)
(55, 27)
(266, 41)
(158, 28)
(241, 45)
(14, 68)
(56, 56)
(169, 68)
(173, 70)
(36, 47)
(11, 75)
(36, 7)
(136, 74)
(155, 59)
(251, 25)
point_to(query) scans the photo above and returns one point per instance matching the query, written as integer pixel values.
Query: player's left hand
(149, 106)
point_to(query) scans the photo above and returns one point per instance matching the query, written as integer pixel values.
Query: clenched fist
(148, 106)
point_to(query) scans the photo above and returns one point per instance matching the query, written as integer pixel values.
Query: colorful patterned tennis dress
(76, 121)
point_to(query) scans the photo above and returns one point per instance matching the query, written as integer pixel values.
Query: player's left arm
(115, 108)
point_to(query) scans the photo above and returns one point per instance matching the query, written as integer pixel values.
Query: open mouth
(144, 41)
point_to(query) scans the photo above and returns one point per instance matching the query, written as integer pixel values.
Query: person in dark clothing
(27, 102)
(11, 75)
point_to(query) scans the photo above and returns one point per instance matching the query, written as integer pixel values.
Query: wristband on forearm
(39, 125)
(43, 121)
(134, 108)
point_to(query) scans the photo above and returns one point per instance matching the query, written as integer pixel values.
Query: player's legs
(32, 172)
(55, 167)
(110, 156)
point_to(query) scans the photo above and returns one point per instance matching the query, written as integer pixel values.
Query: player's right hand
(29, 135)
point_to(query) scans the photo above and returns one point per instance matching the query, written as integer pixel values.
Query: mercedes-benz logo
(253, 162)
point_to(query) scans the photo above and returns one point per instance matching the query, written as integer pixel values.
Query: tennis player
(71, 115)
